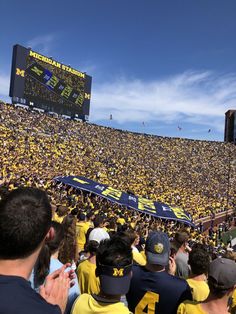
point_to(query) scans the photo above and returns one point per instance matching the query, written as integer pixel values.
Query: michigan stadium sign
(144, 205)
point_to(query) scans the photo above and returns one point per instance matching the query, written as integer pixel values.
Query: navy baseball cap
(114, 280)
(157, 248)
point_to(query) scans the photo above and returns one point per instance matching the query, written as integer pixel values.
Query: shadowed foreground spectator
(25, 219)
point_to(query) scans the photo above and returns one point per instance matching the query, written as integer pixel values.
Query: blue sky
(156, 64)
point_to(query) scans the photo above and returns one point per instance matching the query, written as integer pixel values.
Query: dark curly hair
(114, 252)
(199, 260)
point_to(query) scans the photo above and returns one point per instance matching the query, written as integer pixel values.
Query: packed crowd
(174, 267)
(78, 265)
(198, 176)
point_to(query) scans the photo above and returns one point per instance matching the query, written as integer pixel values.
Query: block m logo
(20, 72)
(118, 272)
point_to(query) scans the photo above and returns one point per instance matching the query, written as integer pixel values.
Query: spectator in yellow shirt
(60, 213)
(138, 257)
(199, 261)
(81, 230)
(222, 282)
(114, 265)
(89, 219)
(121, 220)
(88, 281)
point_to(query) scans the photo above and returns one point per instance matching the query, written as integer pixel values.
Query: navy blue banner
(141, 204)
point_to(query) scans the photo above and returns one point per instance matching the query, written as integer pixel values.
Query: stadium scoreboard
(42, 82)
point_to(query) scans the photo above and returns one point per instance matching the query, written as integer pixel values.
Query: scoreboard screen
(45, 83)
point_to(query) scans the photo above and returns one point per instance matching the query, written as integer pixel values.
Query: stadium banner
(156, 209)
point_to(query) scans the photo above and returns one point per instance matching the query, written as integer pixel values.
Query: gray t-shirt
(182, 267)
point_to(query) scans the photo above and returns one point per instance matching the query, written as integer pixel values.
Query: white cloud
(194, 97)
(4, 87)
(42, 43)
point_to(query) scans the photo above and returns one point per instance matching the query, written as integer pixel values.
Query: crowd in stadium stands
(175, 268)
(198, 176)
